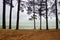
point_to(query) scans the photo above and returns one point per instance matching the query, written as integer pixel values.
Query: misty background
(24, 22)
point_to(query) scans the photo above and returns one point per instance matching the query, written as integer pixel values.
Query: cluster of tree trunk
(43, 4)
(17, 22)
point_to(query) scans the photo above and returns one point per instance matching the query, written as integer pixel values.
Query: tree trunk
(34, 14)
(46, 16)
(40, 21)
(10, 15)
(17, 23)
(40, 15)
(3, 22)
(56, 14)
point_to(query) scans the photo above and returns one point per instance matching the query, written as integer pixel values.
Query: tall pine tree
(3, 22)
(56, 14)
(17, 23)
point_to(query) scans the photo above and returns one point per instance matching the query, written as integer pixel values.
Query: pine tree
(10, 15)
(17, 23)
(56, 14)
(46, 16)
(3, 22)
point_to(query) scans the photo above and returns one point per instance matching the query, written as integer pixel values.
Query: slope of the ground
(29, 34)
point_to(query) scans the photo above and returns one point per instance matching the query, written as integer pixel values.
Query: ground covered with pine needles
(29, 34)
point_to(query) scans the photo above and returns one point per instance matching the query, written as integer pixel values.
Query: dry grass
(29, 34)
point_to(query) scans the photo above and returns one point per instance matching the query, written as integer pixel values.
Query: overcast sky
(23, 18)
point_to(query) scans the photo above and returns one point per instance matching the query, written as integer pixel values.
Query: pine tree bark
(34, 14)
(10, 15)
(17, 23)
(3, 22)
(40, 14)
(46, 16)
(56, 14)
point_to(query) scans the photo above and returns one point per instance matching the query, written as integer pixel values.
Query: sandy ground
(29, 34)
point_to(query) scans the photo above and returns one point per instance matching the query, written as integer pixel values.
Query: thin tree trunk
(40, 21)
(46, 16)
(17, 23)
(10, 15)
(3, 22)
(40, 15)
(34, 14)
(56, 14)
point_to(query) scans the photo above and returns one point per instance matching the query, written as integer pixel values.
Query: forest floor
(29, 34)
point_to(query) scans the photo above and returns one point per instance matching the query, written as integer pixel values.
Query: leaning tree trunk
(46, 16)
(34, 14)
(3, 22)
(10, 15)
(17, 23)
(56, 14)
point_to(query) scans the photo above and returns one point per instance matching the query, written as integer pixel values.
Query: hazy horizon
(24, 22)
